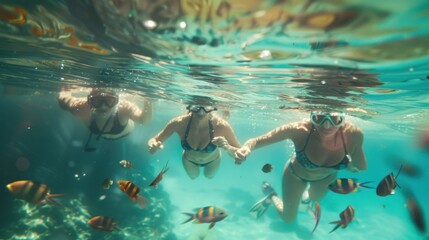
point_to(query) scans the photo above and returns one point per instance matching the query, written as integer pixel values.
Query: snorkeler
(324, 144)
(202, 135)
(105, 114)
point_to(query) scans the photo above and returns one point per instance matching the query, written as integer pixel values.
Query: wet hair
(98, 91)
(201, 101)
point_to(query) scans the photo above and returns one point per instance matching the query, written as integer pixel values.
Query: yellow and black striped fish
(210, 214)
(347, 185)
(346, 217)
(33, 192)
(388, 184)
(103, 223)
(133, 192)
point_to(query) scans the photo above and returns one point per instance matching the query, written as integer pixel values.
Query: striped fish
(103, 223)
(416, 212)
(346, 217)
(347, 185)
(17, 15)
(33, 192)
(317, 212)
(133, 192)
(158, 178)
(388, 184)
(210, 214)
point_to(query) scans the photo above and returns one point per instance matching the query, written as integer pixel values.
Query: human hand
(220, 141)
(241, 154)
(352, 168)
(153, 145)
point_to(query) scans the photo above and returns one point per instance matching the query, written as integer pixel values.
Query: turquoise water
(367, 59)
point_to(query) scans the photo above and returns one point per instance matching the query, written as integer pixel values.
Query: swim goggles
(196, 108)
(102, 98)
(319, 118)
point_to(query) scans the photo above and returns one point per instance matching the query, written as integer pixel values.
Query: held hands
(241, 154)
(153, 145)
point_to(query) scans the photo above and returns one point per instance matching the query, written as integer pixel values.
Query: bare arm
(156, 142)
(358, 156)
(70, 103)
(273, 136)
(133, 112)
(228, 140)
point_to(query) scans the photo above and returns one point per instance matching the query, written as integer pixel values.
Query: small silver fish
(126, 164)
(107, 183)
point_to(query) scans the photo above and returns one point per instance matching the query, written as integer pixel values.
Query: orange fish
(158, 178)
(32, 192)
(16, 16)
(347, 185)
(103, 223)
(317, 212)
(346, 217)
(133, 192)
(210, 214)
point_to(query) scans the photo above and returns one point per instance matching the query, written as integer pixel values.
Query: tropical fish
(347, 185)
(210, 214)
(33, 192)
(408, 168)
(267, 168)
(133, 192)
(317, 212)
(415, 210)
(126, 164)
(107, 183)
(16, 16)
(103, 223)
(158, 178)
(346, 217)
(388, 184)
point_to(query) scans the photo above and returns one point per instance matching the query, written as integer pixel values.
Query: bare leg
(211, 168)
(192, 170)
(292, 187)
(318, 189)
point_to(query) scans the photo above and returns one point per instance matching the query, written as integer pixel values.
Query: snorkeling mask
(98, 99)
(197, 108)
(319, 118)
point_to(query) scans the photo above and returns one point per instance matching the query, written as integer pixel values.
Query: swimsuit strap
(342, 138)
(308, 138)
(187, 128)
(211, 129)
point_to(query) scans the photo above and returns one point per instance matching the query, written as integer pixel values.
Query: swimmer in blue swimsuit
(202, 135)
(326, 143)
